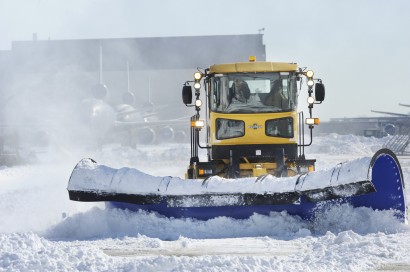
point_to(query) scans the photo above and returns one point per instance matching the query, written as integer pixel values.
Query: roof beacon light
(252, 58)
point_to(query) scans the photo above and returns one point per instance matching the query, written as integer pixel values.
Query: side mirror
(187, 95)
(319, 92)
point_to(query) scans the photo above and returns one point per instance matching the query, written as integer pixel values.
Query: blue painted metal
(387, 178)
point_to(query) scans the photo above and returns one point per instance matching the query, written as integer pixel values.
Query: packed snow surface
(42, 230)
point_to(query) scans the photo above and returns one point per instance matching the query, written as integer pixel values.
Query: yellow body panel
(250, 158)
(253, 67)
(254, 128)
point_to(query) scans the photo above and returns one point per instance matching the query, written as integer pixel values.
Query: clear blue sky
(360, 48)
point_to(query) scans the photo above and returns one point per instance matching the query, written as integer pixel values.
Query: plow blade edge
(375, 182)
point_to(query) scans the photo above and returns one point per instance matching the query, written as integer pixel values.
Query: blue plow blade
(386, 193)
(387, 178)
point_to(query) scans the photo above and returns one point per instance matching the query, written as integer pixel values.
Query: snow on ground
(42, 230)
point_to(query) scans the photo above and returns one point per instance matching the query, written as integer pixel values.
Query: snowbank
(41, 230)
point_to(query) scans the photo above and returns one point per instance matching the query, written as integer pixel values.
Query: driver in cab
(239, 92)
(276, 97)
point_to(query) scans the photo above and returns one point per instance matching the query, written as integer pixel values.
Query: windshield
(247, 93)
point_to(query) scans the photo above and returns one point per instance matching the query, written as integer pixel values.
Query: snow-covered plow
(375, 182)
(254, 138)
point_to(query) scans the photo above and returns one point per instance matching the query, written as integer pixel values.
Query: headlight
(310, 83)
(282, 127)
(197, 85)
(311, 100)
(227, 128)
(198, 103)
(309, 73)
(197, 76)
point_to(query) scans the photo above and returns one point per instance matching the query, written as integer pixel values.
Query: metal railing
(399, 142)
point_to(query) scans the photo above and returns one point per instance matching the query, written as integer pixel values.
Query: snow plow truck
(254, 139)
